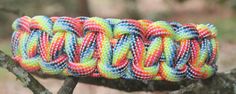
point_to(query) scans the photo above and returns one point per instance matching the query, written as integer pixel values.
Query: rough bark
(220, 83)
(27, 79)
(68, 85)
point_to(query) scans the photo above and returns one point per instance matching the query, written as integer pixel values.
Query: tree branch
(220, 83)
(27, 79)
(68, 85)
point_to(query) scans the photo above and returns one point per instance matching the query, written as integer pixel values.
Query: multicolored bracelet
(115, 48)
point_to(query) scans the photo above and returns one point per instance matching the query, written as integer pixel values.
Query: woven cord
(115, 48)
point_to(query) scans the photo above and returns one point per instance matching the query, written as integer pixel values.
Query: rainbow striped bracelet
(115, 48)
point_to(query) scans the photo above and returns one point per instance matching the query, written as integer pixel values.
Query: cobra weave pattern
(115, 48)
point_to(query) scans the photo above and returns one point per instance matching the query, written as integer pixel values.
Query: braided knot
(42, 23)
(202, 61)
(98, 25)
(186, 32)
(169, 68)
(53, 59)
(160, 29)
(115, 48)
(175, 25)
(26, 55)
(129, 27)
(206, 31)
(67, 24)
(81, 19)
(145, 24)
(22, 24)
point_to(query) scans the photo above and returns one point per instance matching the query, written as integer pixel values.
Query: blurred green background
(221, 13)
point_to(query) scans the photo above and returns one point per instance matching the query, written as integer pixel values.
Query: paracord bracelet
(115, 48)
